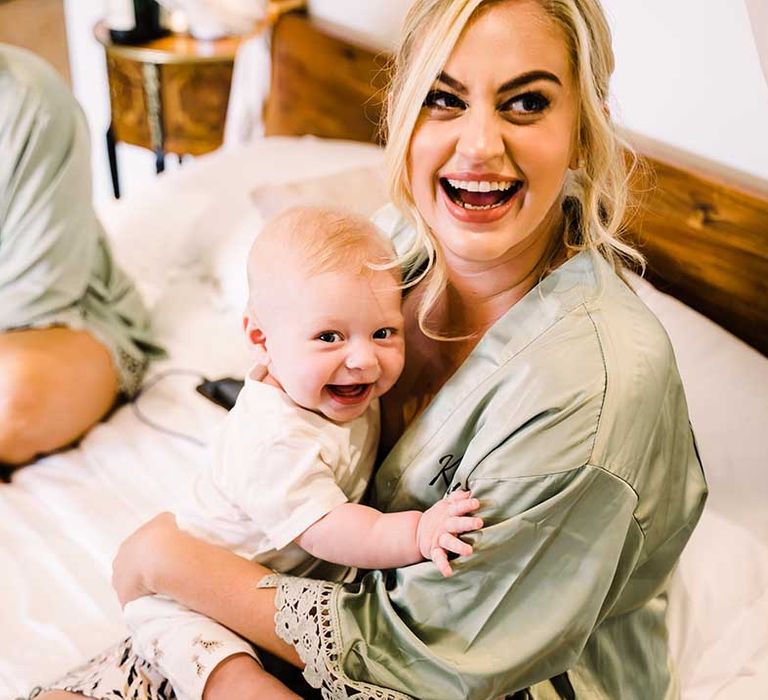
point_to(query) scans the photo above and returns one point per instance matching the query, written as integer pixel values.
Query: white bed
(184, 240)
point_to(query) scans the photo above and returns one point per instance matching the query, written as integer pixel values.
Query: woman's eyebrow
(529, 77)
(515, 83)
(451, 82)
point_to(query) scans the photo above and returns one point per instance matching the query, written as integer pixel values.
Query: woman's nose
(480, 139)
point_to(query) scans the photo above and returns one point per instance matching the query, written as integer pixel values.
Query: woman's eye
(528, 103)
(329, 337)
(383, 333)
(440, 99)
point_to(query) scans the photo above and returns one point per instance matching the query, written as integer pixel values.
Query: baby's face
(336, 342)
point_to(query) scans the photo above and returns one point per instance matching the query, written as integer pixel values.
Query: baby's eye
(330, 337)
(527, 103)
(440, 99)
(383, 333)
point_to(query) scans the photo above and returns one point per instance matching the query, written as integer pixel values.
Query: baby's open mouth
(480, 195)
(349, 393)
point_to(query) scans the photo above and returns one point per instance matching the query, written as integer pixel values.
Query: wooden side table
(169, 95)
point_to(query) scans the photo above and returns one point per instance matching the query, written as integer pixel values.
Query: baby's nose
(362, 356)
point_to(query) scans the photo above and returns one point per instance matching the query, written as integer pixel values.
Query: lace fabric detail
(306, 618)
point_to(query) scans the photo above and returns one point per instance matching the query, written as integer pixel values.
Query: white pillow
(718, 608)
(377, 23)
(718, 612)
(191, 222)
(726, 384)
(361, 190)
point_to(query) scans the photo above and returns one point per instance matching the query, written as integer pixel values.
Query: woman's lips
(349, 394)
(474, 201)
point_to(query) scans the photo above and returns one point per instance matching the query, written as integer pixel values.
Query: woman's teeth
(480, 194)
(480, 186)
(482, 206)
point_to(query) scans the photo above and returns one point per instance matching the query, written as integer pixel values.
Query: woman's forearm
(203, 577)
(227, 593)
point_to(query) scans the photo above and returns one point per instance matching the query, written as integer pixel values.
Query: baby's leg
(242, 677)
(187, 648)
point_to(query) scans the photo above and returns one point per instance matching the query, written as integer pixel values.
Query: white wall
(688, 73)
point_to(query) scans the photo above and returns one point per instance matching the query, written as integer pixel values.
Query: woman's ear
(575, 163)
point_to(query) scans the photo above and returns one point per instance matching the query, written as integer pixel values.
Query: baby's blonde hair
(595, 196)
(317, 240)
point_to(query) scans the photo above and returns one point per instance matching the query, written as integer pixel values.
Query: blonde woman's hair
(318, 240)
(595, 197)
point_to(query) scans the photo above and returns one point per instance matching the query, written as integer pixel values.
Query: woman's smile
(495, 139)
(479, 198)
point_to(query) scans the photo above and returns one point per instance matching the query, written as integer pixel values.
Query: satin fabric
(568, 421)
(55, 264)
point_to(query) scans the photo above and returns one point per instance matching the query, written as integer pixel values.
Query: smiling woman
(482, 191)
(490, 119)
(533, 377)
(511, 126)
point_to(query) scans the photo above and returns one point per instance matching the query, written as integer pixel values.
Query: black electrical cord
(155, 425)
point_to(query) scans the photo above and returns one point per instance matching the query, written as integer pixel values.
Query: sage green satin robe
(568, 421)
(56, 268)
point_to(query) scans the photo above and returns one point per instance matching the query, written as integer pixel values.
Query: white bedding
(184, 240)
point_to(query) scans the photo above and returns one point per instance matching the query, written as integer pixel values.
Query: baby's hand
(438, 527)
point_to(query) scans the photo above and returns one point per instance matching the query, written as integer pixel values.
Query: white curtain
(248, 94)
(758, 15)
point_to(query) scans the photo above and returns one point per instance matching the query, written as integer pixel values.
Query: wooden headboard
(702, 227)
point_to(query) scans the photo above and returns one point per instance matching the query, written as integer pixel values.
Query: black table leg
(159, 161)
(112, 155)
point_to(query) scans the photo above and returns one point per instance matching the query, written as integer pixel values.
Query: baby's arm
(356, 535)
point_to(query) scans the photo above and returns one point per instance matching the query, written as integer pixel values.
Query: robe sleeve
(555, 552)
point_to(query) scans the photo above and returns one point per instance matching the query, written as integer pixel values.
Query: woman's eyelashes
(525, 106)
(443, 100)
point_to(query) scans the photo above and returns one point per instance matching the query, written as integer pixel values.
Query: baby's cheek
(396, 366)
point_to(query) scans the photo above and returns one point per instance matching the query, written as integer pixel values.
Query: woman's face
(496, 136)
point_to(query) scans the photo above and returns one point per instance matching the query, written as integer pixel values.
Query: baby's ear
(257, 341)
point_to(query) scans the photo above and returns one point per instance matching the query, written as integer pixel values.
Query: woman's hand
(161, 558)
(141, 553)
